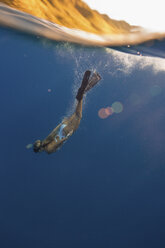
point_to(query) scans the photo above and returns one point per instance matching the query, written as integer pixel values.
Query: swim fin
(83, 85)
(93, 81)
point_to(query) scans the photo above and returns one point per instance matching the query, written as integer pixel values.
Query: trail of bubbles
(126, 63)
(106, 60)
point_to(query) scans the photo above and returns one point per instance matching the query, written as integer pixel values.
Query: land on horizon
(72, 14)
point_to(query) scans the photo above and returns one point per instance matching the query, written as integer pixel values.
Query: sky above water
(148, 14)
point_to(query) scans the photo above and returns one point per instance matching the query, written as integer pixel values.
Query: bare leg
(78, 110)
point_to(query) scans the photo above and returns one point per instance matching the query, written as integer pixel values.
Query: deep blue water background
(105, 187)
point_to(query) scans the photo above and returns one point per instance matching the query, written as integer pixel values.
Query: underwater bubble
(29, 146)
(155, 90)
(117, 107)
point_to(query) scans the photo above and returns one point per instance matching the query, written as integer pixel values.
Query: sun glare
(148, 14)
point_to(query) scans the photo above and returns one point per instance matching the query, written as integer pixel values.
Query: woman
(69, 125)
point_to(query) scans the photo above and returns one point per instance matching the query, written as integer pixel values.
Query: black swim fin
(93, 81)
(83, 85)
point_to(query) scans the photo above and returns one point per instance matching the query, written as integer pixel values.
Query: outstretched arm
(53, 147)
(51, 136)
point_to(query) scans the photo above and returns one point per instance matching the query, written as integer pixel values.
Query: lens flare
(102, 113)
(109, 111)
(105, 112)
(117, 107)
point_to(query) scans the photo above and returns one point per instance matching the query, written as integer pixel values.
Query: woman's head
(37, 146)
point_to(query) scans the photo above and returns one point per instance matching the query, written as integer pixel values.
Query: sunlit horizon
(147, 14)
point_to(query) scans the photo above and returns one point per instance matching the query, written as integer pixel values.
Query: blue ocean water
(105, 186)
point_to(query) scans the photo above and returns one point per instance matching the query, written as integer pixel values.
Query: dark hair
(37, 146)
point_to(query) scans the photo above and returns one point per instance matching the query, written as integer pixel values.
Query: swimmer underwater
(69, 125)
